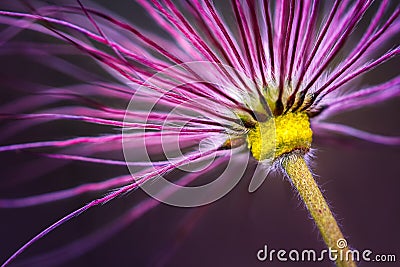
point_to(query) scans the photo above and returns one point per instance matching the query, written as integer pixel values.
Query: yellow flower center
(280, 135)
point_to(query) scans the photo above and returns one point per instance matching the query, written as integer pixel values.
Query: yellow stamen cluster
(280, 135)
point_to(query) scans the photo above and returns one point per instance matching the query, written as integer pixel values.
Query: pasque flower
(199, 90)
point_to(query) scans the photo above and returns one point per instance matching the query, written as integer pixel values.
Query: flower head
(197, 95)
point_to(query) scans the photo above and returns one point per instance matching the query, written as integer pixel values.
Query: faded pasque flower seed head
(202, 92)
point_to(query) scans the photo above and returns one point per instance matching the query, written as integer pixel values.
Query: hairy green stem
(302, 179)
